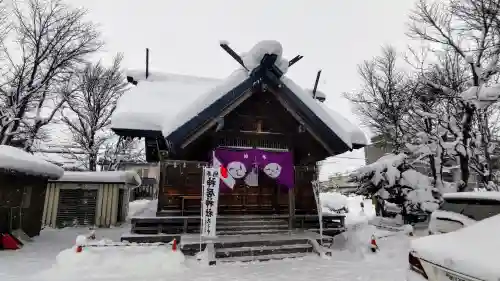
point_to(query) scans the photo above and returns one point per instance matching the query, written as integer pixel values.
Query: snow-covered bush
(392, 178)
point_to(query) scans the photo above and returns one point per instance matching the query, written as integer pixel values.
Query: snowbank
(129, 177)
(104, 263)
(12, 158)
(142, 208)
(333, 201)
(473, 250)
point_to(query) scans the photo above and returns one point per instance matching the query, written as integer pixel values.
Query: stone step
(252, 231)
(263, 250)
(149, 238)
(264, 257)
(261, 240)
(251, 227)
(222, 222)
(251, 218)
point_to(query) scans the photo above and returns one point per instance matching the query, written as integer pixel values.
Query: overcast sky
(183, 36)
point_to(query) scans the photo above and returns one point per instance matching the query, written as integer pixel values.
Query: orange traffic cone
(174, 245)
(79, 249)
(373, 244)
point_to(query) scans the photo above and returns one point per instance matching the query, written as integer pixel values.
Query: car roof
(491, 195)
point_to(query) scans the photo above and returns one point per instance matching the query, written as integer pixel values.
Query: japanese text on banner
(210, 201)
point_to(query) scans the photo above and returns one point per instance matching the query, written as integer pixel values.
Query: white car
(468, 254)
(463, 209)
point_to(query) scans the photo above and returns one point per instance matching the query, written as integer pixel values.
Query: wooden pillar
(291, 208)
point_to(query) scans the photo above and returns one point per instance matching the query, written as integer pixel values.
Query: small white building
(89, 199)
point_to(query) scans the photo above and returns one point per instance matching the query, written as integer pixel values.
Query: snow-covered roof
(18, 160)
(492, 195)
(165, 102)
(357, 135)
(129, 177)
(472, 250)
(203, 101)
(158, 99)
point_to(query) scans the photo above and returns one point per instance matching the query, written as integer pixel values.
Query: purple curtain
(276, 165)
(237, 162)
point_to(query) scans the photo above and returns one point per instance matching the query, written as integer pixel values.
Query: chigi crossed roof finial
(225, 46)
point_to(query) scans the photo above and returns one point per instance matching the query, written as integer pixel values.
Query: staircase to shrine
(240, 238)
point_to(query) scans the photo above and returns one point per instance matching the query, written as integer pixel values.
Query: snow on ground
(52, 257)
(142, 208)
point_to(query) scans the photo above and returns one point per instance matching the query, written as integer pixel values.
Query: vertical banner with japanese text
(316, 191)
(209, 201)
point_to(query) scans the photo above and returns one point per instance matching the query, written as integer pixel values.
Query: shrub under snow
(392, 177)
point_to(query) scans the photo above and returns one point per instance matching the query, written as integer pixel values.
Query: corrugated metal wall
(101, 204)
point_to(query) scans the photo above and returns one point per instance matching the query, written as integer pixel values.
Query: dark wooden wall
(185, 179)
(18, 209)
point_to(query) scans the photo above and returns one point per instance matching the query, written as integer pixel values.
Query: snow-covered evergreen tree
(393, 178)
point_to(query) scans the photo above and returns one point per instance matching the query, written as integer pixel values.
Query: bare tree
(122, 150)
(51, 41)
(90, 108)
(470, 29)
(384, 100)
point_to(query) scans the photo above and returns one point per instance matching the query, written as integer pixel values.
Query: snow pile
(356, 213)
(104, 263)
(334, 202)
(15, 159)
(472, 250)
(142, 208)
(253, 58)
(129, 177)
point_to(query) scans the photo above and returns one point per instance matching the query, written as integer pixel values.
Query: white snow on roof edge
(13, 158)
(342, 131)
(357, 136)
(203, 101)
(161, 97)
(129, 177)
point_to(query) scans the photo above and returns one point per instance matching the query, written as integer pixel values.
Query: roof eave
(181, 134)
(325, 133)
(137, 133)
